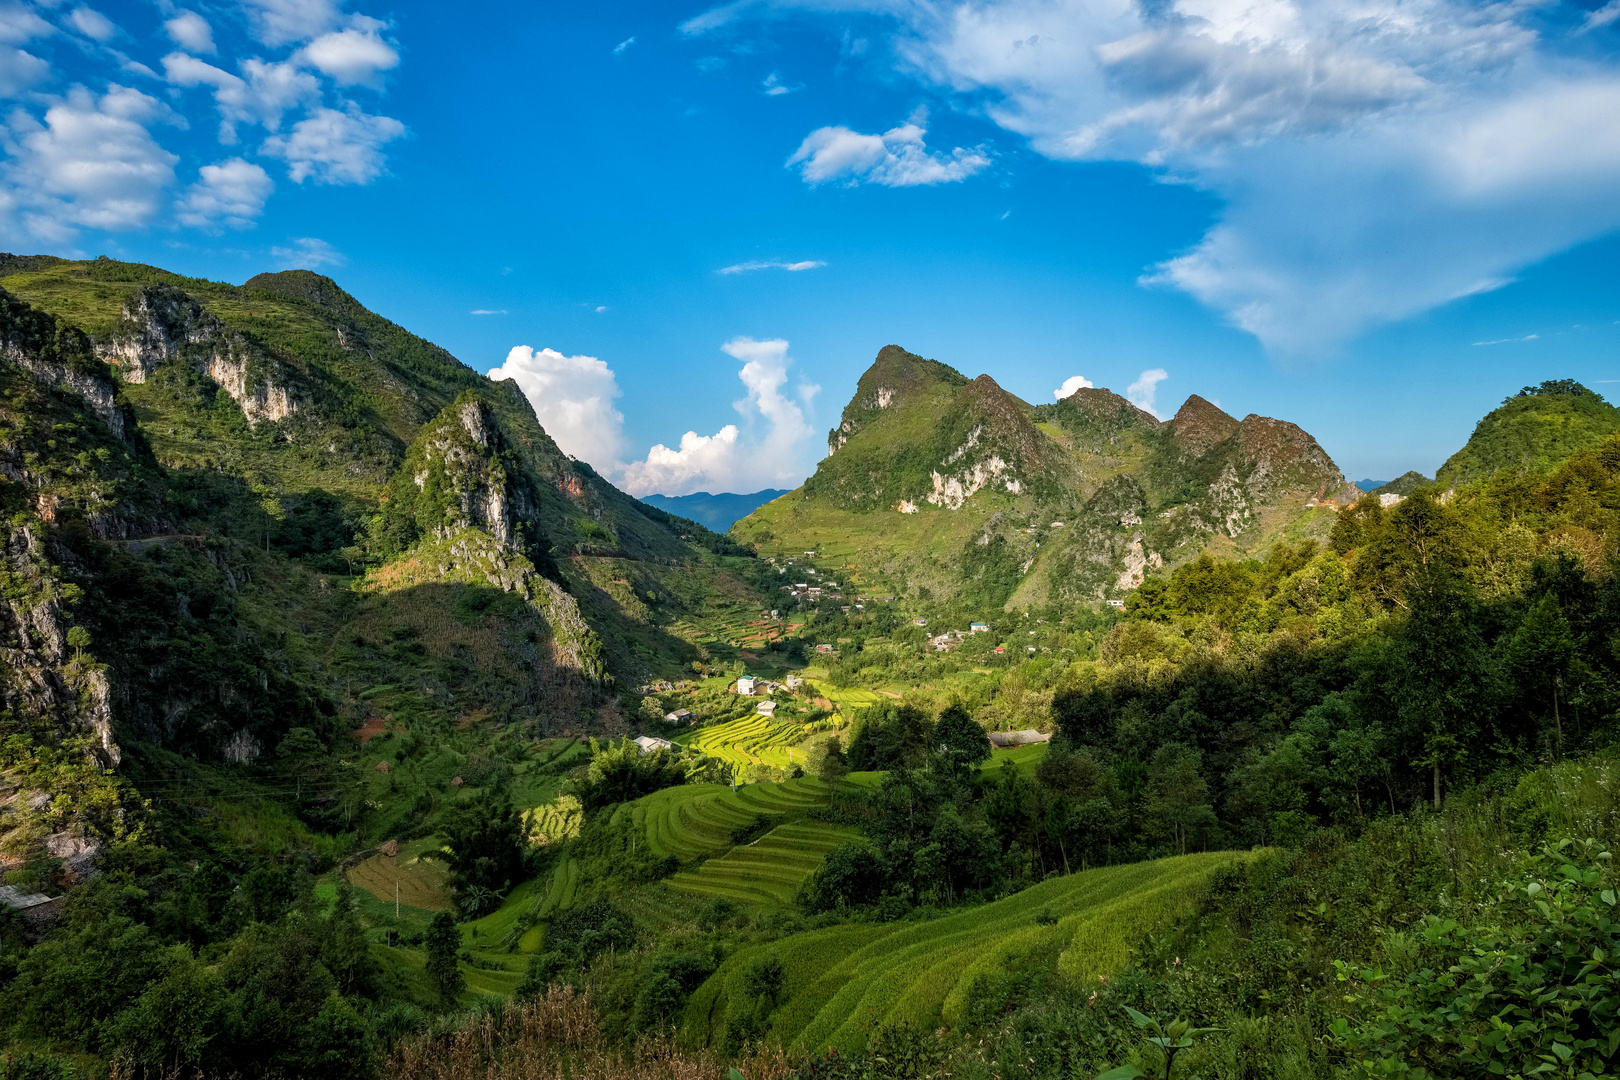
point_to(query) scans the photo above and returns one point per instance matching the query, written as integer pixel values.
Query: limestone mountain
(236, 510)
(958, 491)
(1536, 430)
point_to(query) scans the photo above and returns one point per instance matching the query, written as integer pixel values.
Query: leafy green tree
(763, 978)
(1543, 666)
(852, 875)
(1178, 796)
(832, 766)
(891, 736)
(171, 1024)
(620, 772)
(443, 944)
(959, 740)
(484, 846)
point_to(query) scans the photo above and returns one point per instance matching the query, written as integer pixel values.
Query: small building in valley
(1003, 740)
(766, 708)
(647, 744)
(745, 685)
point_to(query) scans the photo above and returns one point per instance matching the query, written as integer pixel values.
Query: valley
(349, 725)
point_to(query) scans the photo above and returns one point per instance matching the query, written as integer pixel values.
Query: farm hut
(647, 744)
(1003, 740)
(766, 708)
(679, 716)
(978, 627)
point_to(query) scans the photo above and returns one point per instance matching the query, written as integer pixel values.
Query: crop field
(421, 883)
(848, 981)
(771, 869)
(752, 740)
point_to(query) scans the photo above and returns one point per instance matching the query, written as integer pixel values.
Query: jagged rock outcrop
(59, 357)
(45, 680)
(162, 323)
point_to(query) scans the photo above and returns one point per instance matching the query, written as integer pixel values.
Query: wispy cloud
(1510, 340)
(618, 50)
(488, 311)
(308, 253)
(775, 87)
(790, 267)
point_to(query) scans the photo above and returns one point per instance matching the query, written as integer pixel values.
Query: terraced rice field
(848, 981)
(752, 740)
(698, 819)
(771, 869)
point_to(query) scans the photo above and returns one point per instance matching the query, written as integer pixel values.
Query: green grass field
(847, 981)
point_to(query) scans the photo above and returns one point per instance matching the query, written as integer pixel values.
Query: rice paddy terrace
(751, 740)
(846, 981)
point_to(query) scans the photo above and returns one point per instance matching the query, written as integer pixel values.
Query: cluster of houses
(950, 639)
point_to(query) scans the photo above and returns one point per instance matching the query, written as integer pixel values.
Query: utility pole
(396, 900)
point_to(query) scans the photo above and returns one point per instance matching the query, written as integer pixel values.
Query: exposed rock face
(162, 323)
(58, 357)
(41, 676)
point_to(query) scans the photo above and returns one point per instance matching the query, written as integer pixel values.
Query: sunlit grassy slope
(752, 740)
(845, 982)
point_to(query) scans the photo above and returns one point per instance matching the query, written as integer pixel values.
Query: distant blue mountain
(715, 511)
(1368, 485)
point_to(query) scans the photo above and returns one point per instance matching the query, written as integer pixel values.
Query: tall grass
(555, 1036)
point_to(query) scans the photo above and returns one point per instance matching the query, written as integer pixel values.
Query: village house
(745, 685)
(766, 708)
(679, 716)
(978, 627)
(647, 744)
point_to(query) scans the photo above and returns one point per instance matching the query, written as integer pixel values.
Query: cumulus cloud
(308, 253)
(1375, 158)
(768, 454)
(897, 158)
(91, 163)
(20, 71)
(1145, 390)
(573, 398)
(280, 22)
(335, 147)
(790, 267)
(1070, 385)
(231, 193)
(264, 92)
(92, 24)
(191, 32)
(355, 56)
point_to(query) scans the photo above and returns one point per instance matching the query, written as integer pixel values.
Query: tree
(1178, 797)
(832, 767)
(959, 739)
(443, 944)
(891, 736)
(484, 848)
(763, 978)
(851, 875)
(1542, 661)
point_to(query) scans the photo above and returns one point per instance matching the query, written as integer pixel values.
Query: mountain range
(951, 489)
(718, 512)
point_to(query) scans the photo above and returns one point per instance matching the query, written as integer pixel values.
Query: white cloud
(790, 267)
(775, 87)
(1070, 385)
(92, 24)
(308, 253)
(771, 452)
(266, 93)
(355, 56)
(701, 462)
(618, 50)
(280, 22)
(1510, 340)
(1374, 158)
(191, 32)
(92, 163)
(573, 398)
(335, 147)
(897, 158)
(231, 193)
(19, 25)
(488, 311)
(1144, 391)
(20, 71)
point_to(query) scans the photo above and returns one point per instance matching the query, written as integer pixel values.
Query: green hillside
(1534, 431)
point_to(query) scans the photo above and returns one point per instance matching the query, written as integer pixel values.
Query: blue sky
(689, 228)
